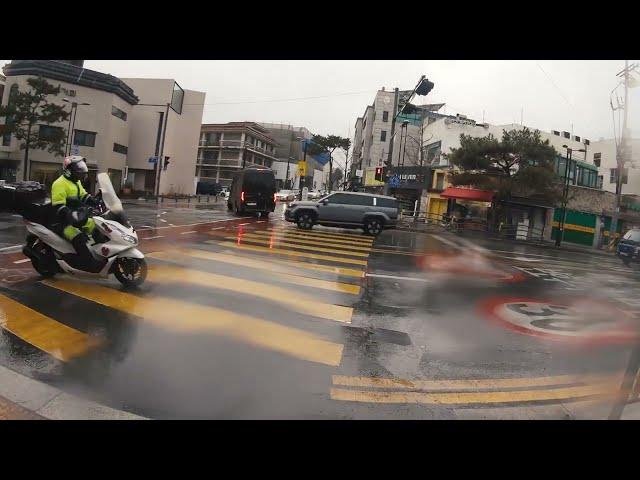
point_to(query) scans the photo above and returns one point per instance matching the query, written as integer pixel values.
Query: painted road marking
(291, 299)
(242, 224)
(163, 220)
(187, 233)
(290, 253)
(581, 320)
(242, 239)
(394, 277)
(278, 272)
(317, 238)
(317, 233)
(186, 317)
(341, 271)
(151, 238)
(56, 339)
(287, 232)
(191, 224)
(471, 245)
(470, 398)
(446, 241)
(470, 384)
(279, 239)
(24, 260)
(10, 248)
(217, 228)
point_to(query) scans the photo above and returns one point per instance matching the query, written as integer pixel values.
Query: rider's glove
(77, 218)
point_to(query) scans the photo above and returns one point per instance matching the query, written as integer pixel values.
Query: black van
(253, 190)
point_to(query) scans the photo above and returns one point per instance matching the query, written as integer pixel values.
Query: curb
(54, 404)
(546, 245)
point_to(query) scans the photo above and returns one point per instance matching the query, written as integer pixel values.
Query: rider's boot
(82, 249)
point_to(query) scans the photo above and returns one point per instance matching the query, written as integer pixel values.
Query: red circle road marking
(508, 312)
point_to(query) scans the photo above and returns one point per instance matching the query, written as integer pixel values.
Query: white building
(113, 127)
(165, 123)
(442, 135)
(602, 154)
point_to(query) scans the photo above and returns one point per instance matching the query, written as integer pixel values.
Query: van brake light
(242, 196)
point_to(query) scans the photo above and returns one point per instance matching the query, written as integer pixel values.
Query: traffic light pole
(304, 159)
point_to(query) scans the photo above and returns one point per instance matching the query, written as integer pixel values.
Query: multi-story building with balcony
(226, 148)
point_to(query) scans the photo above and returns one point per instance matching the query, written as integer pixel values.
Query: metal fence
(429, 221)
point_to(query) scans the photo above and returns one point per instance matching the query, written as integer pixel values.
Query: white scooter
(114, 242)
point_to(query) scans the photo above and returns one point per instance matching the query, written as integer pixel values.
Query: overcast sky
(551, 95)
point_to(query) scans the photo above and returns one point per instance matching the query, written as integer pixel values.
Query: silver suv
(373, 213)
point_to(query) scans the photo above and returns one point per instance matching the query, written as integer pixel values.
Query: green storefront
(580, 227)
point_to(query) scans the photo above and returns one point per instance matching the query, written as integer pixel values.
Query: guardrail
(425, 220)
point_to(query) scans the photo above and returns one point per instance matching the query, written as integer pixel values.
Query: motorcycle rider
(72, 199)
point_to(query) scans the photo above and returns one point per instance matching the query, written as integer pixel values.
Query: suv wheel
(373, 226)
(305, 220)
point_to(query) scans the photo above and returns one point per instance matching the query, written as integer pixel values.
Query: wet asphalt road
(251, 318)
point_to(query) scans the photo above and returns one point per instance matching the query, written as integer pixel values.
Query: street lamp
(565, 194)
(74, 108)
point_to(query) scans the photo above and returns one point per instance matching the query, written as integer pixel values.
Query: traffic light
(424, 88)
(379, 174)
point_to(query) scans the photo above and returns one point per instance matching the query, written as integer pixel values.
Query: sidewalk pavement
(23, 398)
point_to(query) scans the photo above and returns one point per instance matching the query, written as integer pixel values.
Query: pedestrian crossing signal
(379, 174)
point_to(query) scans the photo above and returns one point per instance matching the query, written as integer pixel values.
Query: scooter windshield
(109, 196)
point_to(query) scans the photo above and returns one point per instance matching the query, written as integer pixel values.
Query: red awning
(467, 194)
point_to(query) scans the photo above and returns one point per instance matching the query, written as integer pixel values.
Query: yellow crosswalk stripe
(347, 272)
(350, 239)
(298, 246)
(305, 236)
(467, 384)
(304, 241)
(278, 272)
(318, 233)
(466, 398)
(289, 298)
(56, 339)
(290, 253)
(184, 316)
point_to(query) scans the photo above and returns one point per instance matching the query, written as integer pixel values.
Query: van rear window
(262, 182)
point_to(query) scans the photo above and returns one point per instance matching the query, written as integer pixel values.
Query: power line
(556, 86)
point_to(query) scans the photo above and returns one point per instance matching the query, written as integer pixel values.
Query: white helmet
(75, 168)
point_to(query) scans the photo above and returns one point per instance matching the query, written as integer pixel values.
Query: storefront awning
(467, 194)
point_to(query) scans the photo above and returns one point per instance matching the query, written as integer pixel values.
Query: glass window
(612, 175)
(346, 199)
(597, 158)
(84, 138)
(49, 133)
(632, 235)
(383, 135)
(386, 202)
(116, 112)
(120, 148)
(385, 116)
(177, 98)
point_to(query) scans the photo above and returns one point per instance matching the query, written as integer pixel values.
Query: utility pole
(622, 151)
(286, 180)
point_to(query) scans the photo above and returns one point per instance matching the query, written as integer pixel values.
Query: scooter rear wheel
(47, 271)
(130, 272)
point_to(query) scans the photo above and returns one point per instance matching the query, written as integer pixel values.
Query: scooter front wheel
(130, 272)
